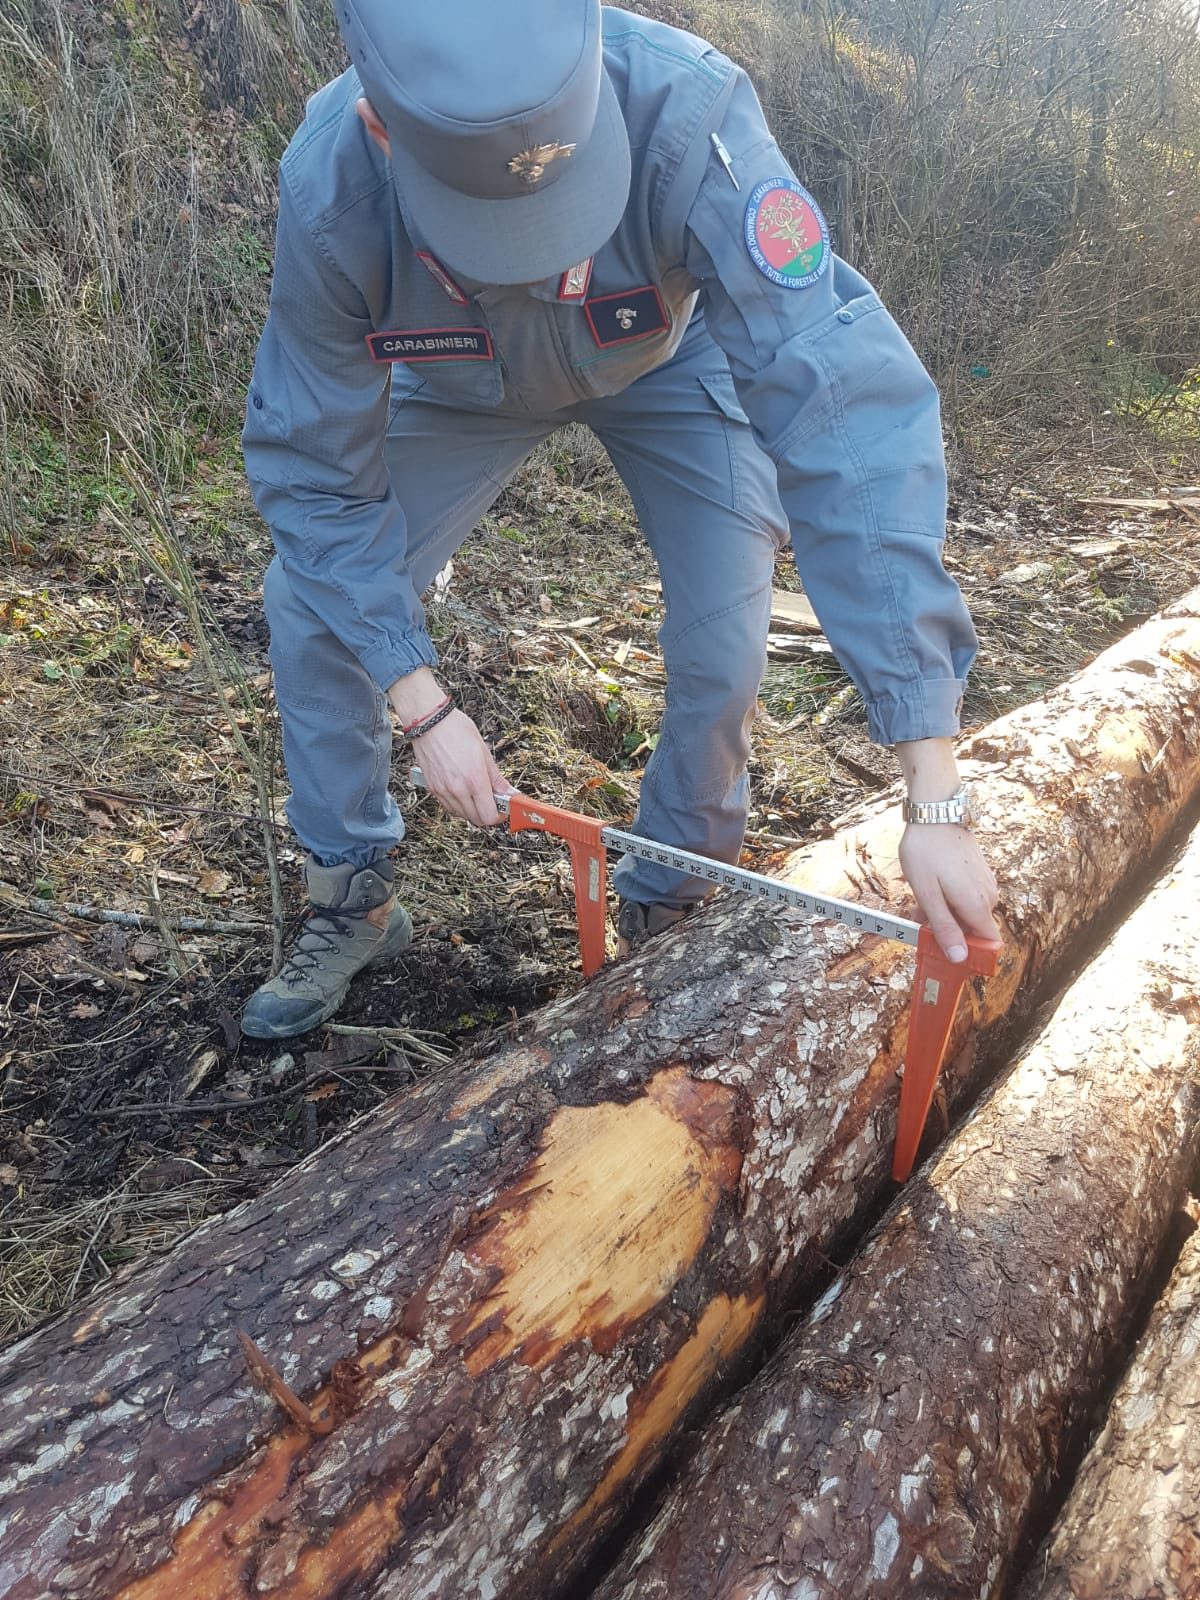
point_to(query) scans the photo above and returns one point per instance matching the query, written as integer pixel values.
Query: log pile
(1131, 1527)
(899, 1442)
(437, 1358)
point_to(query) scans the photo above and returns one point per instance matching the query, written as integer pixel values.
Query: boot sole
(397, 944)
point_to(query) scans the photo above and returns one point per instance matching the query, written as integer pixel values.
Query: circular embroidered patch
(786, 235)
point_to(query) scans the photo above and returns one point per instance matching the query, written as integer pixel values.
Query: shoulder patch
(786, 235)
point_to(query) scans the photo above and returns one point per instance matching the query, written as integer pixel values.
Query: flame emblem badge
(530, 165)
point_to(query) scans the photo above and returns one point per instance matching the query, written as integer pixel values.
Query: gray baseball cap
(508, 145)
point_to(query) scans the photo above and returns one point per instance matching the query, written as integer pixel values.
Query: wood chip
(1027, 572)
(198, 1069)
(787, 647)
(792, 610)
(1094, 549)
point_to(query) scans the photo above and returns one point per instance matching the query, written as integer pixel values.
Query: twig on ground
(13, 941)
(115, 980)
(170, 943)
(398, 1038)
(53, 911)
(785, 841)
(106, 1212)
(605, 677)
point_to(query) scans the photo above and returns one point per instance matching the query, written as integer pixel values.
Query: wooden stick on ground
(1131, 1527)
(898, 1443)
(512, 1286)
(56, 910)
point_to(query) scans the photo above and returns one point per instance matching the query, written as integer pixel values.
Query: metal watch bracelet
(957, 809)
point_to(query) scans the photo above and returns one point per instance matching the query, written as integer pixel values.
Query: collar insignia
(438, 273)
(575, 280)
(530, 165)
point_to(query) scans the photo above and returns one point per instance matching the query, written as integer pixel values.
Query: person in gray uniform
(509, 215)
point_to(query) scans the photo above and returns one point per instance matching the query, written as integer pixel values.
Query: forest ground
(130, 1107)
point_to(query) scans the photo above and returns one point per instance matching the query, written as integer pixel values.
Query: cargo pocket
(719, 388)
(856, 344)
(752, 474)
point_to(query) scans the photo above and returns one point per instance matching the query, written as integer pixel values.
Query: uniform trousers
(706, 498)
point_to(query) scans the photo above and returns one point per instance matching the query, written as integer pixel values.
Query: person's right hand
(459, 771)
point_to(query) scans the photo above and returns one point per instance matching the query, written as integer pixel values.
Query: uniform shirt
(836, 396)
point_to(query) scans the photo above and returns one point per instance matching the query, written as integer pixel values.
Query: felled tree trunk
(495, 1300)
(898, 1442)
(1131, 1527)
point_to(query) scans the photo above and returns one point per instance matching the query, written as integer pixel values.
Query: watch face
(968, 806)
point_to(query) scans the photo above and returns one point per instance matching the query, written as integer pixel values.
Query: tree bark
(898, 1443)
(1131, 1527)
(499, 1298)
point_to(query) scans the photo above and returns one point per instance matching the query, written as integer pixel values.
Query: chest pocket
(430, 342)
(610, 350)
(451, 361)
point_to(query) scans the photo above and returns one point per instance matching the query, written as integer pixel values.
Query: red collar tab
(438, 273)
(575, 280)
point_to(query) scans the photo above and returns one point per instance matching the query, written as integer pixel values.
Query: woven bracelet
(407, 728)
(424, 724)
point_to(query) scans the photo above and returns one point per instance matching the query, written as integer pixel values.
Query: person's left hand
(953, 884)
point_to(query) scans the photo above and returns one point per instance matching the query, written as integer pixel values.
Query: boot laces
(320, 932)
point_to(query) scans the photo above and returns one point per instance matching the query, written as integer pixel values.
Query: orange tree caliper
(937, 983)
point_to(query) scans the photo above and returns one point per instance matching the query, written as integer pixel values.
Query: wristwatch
(957, 809)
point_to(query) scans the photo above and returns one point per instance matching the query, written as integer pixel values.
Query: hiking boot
(354, 922)
(636, 923)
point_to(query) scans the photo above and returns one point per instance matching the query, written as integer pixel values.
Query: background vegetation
(1019, 178)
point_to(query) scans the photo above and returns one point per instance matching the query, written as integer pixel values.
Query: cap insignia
(530, 165)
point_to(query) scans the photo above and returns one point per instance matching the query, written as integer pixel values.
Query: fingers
(500, 784)
(941, 919)
(973, 894)
(459, 770)
(975, 912)
(476, 805)
(954, 885)
(469, 796)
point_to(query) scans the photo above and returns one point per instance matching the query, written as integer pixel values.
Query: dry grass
(1021, 185)
(137, 195)
(1022, 190)
(51, 1251)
